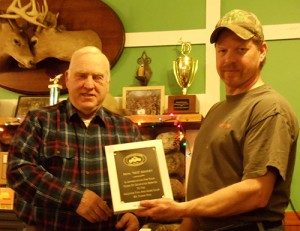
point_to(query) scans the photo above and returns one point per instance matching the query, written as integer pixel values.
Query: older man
(57, 164)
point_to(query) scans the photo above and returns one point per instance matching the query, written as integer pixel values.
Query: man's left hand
(128, 222)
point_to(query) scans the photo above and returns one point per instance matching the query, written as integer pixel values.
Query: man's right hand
(93, 208)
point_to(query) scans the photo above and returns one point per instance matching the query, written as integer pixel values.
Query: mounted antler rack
(35, 16)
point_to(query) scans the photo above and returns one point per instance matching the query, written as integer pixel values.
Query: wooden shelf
(165, 118)
(190, 121)
(9, 121)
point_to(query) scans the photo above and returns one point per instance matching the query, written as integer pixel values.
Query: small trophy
(55, 89)
(184, 69)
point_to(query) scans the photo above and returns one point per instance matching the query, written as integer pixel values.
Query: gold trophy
(184, 69)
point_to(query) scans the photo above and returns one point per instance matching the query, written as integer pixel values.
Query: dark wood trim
(291, 220)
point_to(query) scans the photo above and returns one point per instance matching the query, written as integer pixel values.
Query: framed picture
(137, 171)
(26, 103)
(3, 167)
(146, 100)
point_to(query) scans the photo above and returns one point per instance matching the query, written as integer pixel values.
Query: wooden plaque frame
(182, 104)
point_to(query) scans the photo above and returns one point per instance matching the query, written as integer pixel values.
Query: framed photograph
(3, 167)
(145, 100)
(26, 103)
(137, 171)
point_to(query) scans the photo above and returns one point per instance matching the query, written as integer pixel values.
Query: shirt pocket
(59, 159)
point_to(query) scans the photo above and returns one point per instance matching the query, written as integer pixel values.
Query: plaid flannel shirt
(54, 157)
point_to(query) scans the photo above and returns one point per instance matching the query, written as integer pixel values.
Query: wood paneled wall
(291, 222)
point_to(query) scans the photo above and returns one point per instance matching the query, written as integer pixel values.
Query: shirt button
(87, 172)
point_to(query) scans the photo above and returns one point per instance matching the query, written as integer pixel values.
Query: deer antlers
(35, 16)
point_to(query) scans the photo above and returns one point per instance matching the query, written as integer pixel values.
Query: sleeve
(267, 143)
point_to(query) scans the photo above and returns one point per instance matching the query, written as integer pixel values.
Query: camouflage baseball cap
(244, 24)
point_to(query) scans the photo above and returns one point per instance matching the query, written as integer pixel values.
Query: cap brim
(238, 30)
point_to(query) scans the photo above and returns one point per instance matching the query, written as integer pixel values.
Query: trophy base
(182, 104)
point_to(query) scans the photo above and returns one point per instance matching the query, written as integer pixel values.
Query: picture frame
(144, 100)
(137, 171)
(27, 103)
(3, 167)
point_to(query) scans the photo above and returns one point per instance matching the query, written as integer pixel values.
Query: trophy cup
(55, 89)
(184, 69)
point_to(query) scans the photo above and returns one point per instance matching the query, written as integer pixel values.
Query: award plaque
(181, 104)
(137, 171)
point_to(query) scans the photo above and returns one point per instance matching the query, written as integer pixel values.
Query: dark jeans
(259, 226)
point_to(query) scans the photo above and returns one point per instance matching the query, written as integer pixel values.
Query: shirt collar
(98, 118)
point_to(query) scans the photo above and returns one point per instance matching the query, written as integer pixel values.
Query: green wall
(281, 70)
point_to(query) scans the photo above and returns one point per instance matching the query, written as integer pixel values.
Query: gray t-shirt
(239, 138)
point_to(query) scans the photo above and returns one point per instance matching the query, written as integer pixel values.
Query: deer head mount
(56, 17)
(49, 40)
(15, 44)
